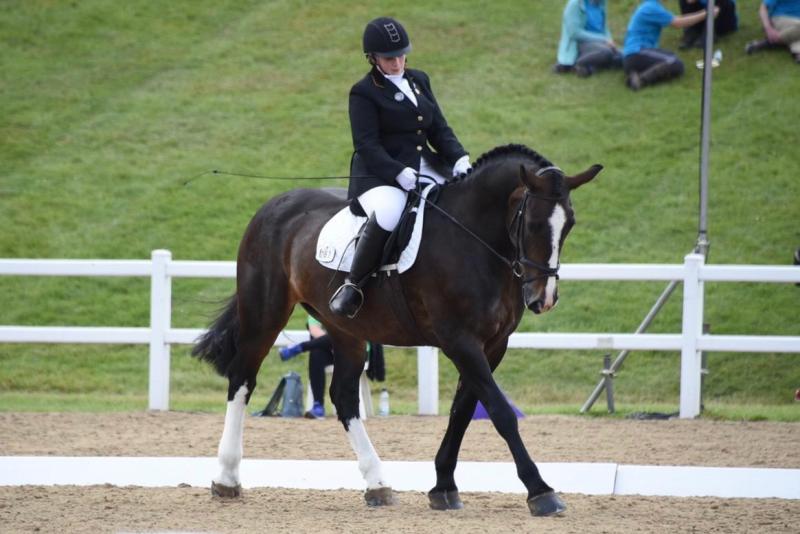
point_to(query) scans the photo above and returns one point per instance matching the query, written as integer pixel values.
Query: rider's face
(392, 65)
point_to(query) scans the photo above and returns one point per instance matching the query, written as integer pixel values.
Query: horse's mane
(510, 150)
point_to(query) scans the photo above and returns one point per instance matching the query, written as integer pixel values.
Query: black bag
(289, 394)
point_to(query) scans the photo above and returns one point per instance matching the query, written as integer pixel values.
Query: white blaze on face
(557, 221)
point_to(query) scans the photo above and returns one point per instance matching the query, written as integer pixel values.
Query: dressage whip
(260, 177)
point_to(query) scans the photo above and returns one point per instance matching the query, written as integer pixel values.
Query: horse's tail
(219, 345)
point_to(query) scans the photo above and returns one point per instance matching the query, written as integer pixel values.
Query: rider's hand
(462, 167)
(407, 179)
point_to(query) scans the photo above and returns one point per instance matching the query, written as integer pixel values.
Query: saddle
(336, 241)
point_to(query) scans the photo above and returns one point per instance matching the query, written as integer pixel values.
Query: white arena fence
(160, 335)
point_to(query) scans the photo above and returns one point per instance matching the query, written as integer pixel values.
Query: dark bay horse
(466, 292)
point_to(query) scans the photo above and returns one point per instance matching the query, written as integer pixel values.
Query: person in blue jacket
(781, 22)
(644, 62)
(586, 44)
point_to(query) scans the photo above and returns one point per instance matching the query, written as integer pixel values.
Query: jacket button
(419, 118)
(419, 132)
(419, 148)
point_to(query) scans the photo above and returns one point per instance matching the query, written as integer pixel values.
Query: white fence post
(160, 318)
(428, 380)
(692, 330)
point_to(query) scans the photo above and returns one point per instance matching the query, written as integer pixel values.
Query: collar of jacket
(379, 79)
(388, 88)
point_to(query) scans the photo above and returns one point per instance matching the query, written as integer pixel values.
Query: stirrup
(344, 308)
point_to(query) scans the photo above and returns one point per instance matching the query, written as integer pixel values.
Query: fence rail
(161, 269)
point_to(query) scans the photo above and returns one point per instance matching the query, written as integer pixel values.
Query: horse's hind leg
(262, 314)
(350, 355)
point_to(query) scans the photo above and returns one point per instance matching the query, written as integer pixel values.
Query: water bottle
(383, 403)
(717, 58)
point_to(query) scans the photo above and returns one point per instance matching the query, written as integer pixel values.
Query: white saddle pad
(335, 245)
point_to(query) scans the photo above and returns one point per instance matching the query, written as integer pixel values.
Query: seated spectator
(646, 64)
(586, 45)
(781, 22)
(726, 22)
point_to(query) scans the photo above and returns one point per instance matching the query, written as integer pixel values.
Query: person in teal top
(586, 45)
(644, 62)
(781, 22)
(320, 355)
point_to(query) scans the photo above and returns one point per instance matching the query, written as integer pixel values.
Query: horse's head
(541, 216)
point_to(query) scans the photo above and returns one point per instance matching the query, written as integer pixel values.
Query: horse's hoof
(226, 492)
(546, 504)
(379, 496)
(445, 500)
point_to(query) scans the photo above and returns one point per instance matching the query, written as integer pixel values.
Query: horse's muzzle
(538, 301)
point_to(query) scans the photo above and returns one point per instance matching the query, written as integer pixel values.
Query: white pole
(692, 330)
(160, 317)
(428, 380)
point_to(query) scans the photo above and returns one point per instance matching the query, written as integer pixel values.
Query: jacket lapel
(391, 91)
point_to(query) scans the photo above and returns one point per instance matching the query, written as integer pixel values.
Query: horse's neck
(482, 201)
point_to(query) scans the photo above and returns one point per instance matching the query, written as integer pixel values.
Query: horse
(489, 251)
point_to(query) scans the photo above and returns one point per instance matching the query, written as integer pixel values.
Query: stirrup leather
(343, 307)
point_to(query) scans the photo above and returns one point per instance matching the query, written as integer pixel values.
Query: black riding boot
(347, 300)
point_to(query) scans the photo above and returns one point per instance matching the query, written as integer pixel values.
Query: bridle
(520, 261)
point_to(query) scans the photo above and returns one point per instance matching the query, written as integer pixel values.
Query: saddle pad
(335, 245)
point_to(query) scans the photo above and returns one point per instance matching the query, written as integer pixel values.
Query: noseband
(521, 260)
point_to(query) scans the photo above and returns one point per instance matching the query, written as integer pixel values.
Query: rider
(398, 131)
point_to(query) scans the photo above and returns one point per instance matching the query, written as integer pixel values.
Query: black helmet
(386, 37)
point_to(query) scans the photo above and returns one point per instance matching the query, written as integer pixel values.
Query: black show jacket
(391, 133)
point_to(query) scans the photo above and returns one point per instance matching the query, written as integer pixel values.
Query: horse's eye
(536, 227)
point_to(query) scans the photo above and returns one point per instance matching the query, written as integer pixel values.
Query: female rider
(398, 131)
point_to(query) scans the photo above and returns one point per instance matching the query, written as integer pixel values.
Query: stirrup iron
(341, 309)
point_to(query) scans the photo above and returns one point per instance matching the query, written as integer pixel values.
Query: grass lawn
(109, 108)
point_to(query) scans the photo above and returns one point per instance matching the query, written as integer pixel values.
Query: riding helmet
(386, 37)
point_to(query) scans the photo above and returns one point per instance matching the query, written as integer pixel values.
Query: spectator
(586, 45)
(320, 356)
(726, 22)
(646, 64)
(781, 22)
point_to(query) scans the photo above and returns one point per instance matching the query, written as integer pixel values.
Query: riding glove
(407, 179)
(462, 167)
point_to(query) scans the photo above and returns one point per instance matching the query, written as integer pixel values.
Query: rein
(517, 266)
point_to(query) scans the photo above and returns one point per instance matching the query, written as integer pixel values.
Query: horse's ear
(529, 179)
(573, 182)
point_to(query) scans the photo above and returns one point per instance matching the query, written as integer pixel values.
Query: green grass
(109, 108)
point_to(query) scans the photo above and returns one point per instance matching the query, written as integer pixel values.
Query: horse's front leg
(444, 495)
(476, 374)
(347, 370)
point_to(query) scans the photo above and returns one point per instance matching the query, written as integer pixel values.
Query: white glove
(407, 179)
(462, 167)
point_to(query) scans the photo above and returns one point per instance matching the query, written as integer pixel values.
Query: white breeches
(387, 202)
